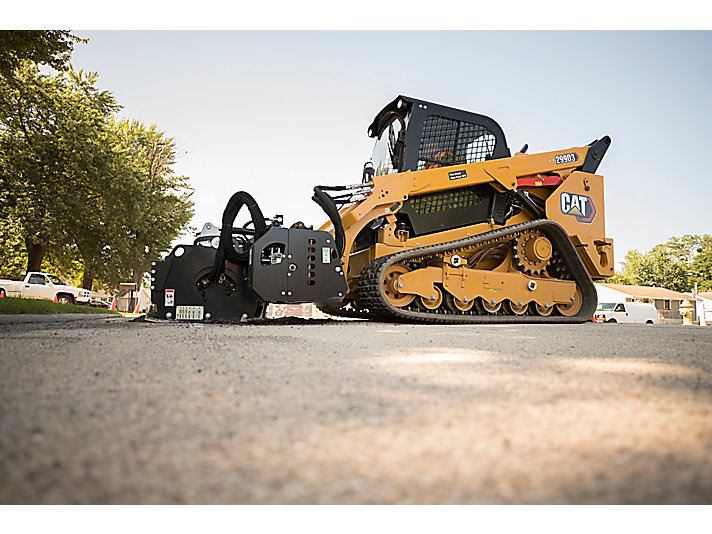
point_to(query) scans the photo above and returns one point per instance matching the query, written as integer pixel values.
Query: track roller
(456, 305)
(432, 303)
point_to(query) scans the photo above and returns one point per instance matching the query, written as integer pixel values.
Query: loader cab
(413, 135)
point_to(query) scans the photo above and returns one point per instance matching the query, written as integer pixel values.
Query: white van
(626, 312)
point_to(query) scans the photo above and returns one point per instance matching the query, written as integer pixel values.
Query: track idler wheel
(391, 289)
(432, 303)
(569, 310)
(457, 305)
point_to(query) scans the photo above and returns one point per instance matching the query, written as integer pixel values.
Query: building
(703, 307)
(667, 302)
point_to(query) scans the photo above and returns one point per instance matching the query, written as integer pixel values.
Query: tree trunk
(137, 276)
(35, 254)
(88, 278)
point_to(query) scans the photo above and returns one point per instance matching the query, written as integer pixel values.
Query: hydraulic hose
(226, 250)
(529, 204)
(327, 204)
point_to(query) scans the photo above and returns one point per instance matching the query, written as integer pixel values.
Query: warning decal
(457, 175)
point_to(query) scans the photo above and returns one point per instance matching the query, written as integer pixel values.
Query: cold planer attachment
(236, 274)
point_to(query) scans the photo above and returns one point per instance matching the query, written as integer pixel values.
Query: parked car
(99, 303)
(44, 286)
(626, 312)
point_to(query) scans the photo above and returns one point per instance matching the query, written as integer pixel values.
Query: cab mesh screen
(451, 142)
(446, 200)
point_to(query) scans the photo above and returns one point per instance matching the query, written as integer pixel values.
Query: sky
(275, 113)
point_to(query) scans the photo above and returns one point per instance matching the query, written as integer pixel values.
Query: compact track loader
(446, 226)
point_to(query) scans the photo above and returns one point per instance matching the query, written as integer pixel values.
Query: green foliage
(159, 200)
(12, 305)
(676, 265)
(99, 196)
(65, 262)
(48, 47)
(13, 256)
(55, 158)
(699, 257)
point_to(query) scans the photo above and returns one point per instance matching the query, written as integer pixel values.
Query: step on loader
(446, 226)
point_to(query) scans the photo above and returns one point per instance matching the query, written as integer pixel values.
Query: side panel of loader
(577, 205)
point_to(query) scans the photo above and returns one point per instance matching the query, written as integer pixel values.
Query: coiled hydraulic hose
(226, 250)
(327, 204)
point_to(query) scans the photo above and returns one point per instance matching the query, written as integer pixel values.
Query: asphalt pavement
(112, 411)
(23, 318)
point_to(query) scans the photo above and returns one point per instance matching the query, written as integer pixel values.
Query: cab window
(36, 279)
(448, 141)
(619, 308)
(387, 157)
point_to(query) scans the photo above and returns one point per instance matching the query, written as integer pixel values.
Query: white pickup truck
(44, 286)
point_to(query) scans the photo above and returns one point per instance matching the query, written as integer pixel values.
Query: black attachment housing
(296, 265)
(250, 267)
(285, 265)
(181, 287)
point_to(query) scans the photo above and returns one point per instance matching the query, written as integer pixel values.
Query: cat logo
(579, 206)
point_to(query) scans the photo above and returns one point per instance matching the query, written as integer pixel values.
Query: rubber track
(370, 288)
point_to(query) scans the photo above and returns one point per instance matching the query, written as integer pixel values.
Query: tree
(683, 248)
(13, 257)
(696, 252)
(55, 156)
(628, 275)
(159, 198)
(676, 264)
(142, 209)
(657, 268)
(48, 47)
(83, 191)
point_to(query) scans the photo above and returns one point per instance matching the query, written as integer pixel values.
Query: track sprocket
(532, 251)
